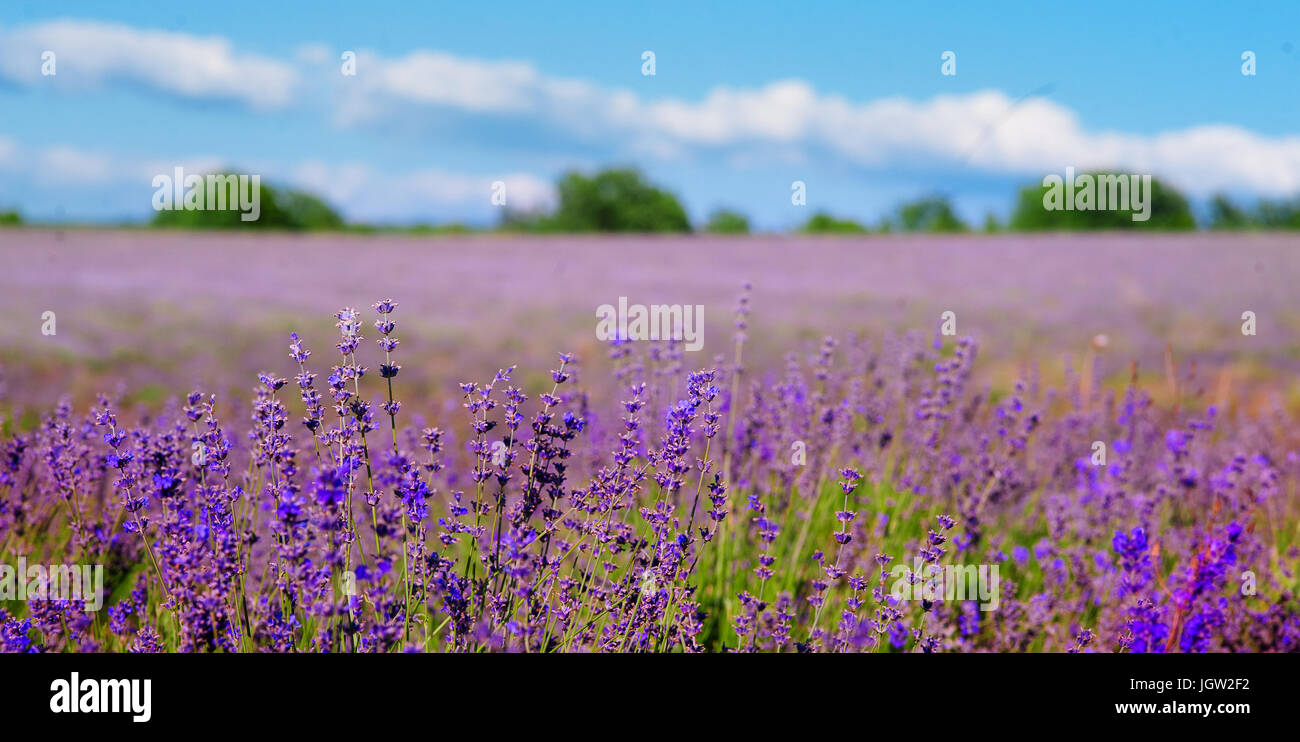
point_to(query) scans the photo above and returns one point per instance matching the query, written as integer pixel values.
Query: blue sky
(747, 97)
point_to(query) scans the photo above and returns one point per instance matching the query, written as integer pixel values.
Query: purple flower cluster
(822, 506)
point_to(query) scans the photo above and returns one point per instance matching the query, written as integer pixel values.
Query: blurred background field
(154, 313)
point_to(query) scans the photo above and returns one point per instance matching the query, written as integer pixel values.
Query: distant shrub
(286, 209)
(1224, 214)
(725, 221)
(1227, 215)
(450, 228)
(930, 214)
(823, 223)
(10, 218)
(1278, 214)
(617, 200)
(1169, 211)
(304, 210)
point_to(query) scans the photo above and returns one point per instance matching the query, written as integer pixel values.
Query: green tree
(617, 200)
(1169, 211)
(991, 225)
(1278, 214)
(930, 214)
(823, 223)
(307, 211)
(725, 221)
(278, 209)
(1224, 214)
(10, 218)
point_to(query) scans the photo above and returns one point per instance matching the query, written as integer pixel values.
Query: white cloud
(366, 194)
(71, 165)
(89, 53)
(359, 191)
(434, 77)
(314, 53)
(780, 112)
(66, 165)
(985, 130)
(783, 122)
(8, 153)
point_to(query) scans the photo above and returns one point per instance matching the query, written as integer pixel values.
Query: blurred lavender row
(160, 310)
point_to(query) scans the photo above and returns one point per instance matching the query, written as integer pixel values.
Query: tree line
(624, 200)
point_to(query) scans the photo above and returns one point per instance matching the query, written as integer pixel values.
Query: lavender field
(372, 443)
